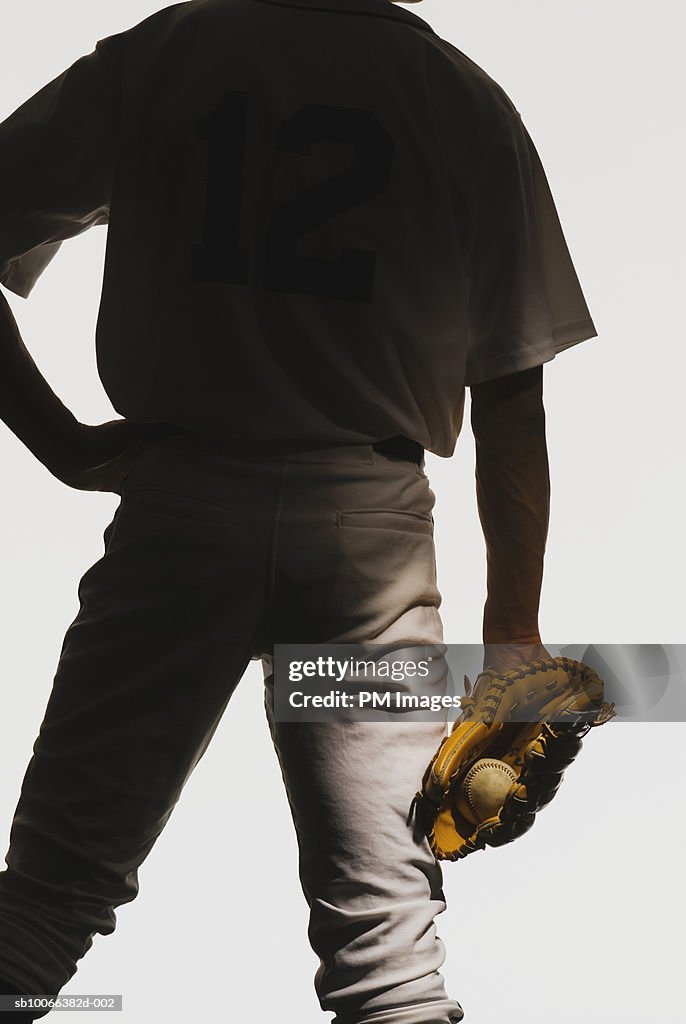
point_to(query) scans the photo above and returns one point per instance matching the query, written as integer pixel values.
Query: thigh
(351, 783)
(367, 573)
(163, 630)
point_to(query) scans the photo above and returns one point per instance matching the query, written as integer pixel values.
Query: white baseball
(484, 789)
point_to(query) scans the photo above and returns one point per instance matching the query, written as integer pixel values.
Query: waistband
(399, 447)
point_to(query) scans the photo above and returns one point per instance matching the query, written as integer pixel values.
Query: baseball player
(325, 222)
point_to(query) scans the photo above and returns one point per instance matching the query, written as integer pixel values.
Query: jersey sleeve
(57, 153)
(526, 302)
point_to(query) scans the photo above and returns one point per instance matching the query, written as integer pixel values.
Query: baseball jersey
(324, 220)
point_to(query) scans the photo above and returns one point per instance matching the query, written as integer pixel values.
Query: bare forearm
(513, 495)
(28, 405)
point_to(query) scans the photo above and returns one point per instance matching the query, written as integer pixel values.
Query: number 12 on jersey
(219, 257)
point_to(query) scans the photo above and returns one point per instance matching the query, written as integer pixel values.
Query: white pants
(212, 557)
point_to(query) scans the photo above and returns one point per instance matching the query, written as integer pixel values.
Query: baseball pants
(213, 556)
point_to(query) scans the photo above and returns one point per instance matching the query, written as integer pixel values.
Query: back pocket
(164, 503)
(399, 520)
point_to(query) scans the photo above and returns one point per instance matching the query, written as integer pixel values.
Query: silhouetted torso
(324, 221)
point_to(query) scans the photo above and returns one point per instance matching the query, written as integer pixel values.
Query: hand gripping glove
(533, 718)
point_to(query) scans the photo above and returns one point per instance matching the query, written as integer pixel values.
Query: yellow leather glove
(530, 721)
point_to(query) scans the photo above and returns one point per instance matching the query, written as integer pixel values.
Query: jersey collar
(377, 8)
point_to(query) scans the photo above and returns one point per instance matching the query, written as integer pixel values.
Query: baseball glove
(528, 724)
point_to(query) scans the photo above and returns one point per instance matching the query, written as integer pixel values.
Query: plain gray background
(581, 918)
